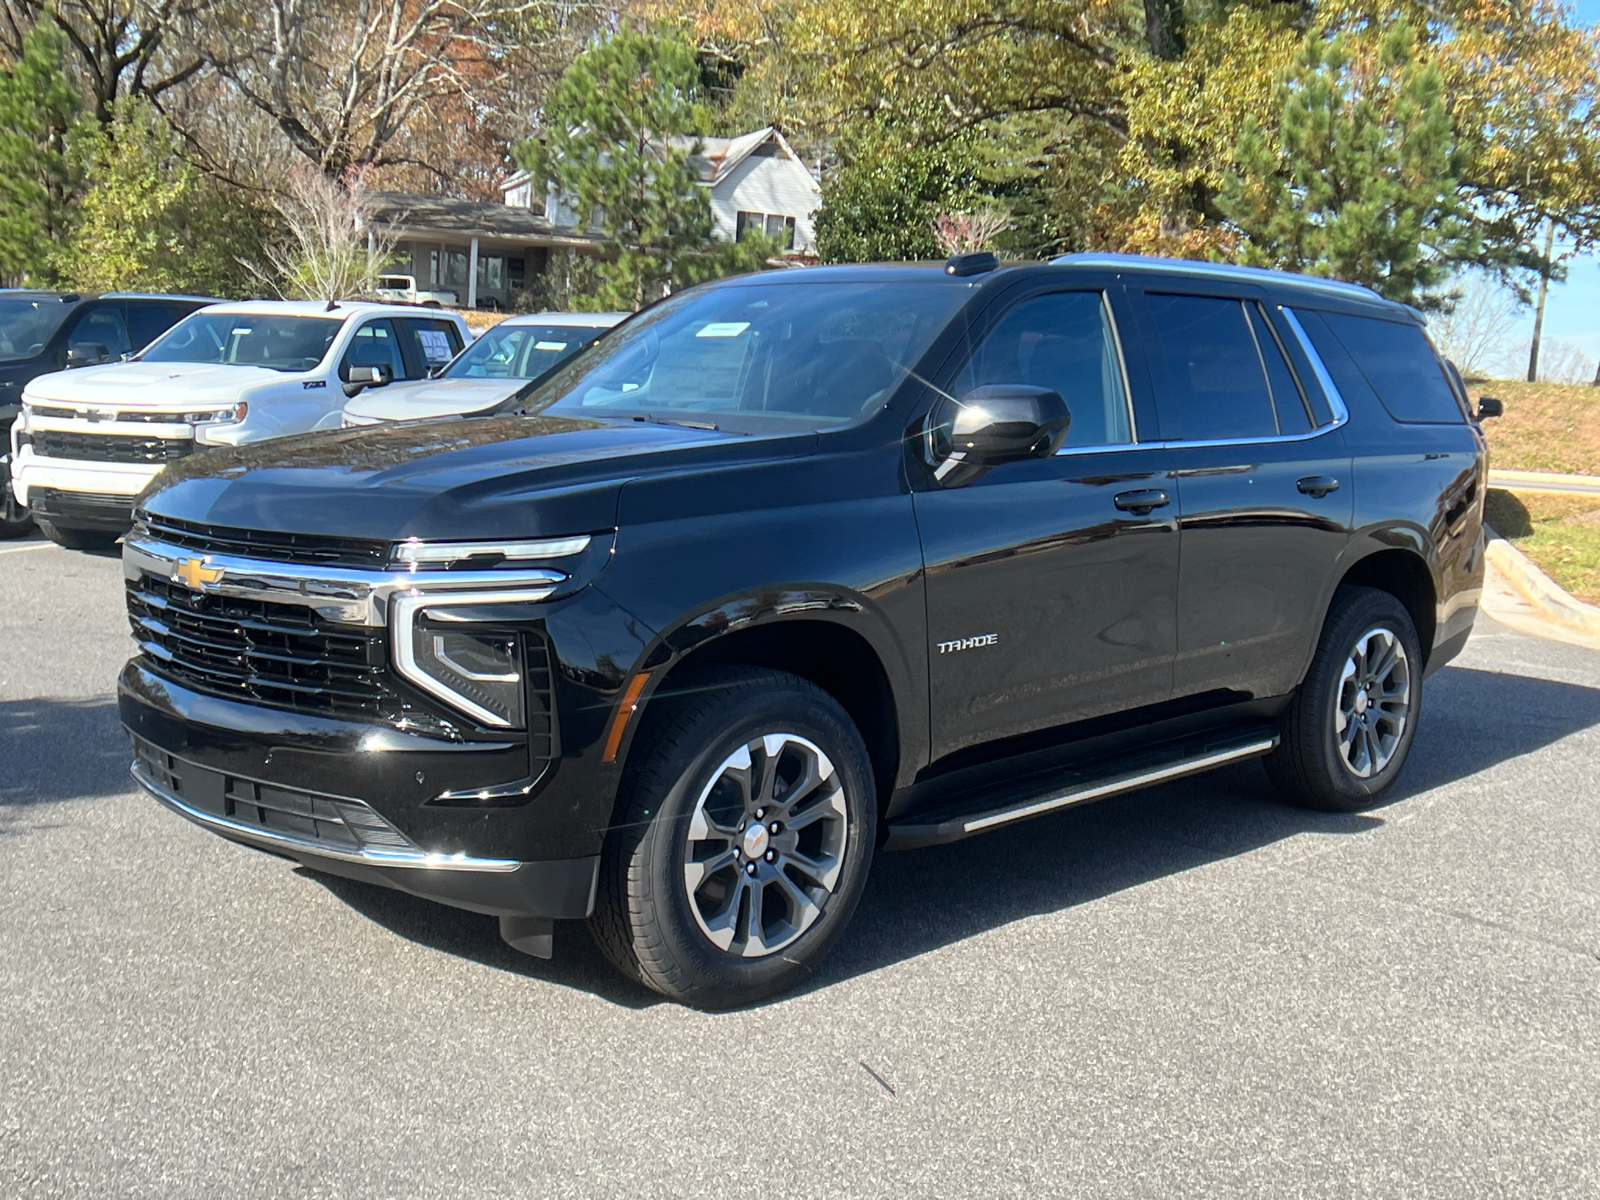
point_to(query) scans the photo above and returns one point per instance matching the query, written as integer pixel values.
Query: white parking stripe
(30, 546)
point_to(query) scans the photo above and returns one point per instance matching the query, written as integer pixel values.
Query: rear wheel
(1350, 727)
(75, 538)
(742, 840)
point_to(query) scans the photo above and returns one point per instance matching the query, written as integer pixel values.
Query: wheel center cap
(755, 840)
(1361, 701)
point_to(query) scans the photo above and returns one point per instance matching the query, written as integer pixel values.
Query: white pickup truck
(402, 289)
(88, 441)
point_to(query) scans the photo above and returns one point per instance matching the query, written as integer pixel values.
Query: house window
(775, 225)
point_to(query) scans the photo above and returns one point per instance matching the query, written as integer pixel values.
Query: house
(491, 254)
(756, 181)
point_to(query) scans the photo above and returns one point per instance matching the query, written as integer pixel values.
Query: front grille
(302, 548)
(107, 447)
(281, 655)
(335, 822)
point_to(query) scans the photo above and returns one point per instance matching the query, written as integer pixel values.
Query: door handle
(1140, 503)
(1318, 486)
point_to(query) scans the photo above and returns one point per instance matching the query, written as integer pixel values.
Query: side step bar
(944, 827)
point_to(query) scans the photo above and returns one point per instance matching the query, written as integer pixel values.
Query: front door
(1264, 489)
(1051, 583)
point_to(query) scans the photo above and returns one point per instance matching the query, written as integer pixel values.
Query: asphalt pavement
(1190, 991)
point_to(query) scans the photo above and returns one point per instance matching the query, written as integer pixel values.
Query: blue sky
(1573, 311)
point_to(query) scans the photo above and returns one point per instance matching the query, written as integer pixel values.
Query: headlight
(475, 669)
(216, 416)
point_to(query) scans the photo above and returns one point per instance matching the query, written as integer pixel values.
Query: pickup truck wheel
(1349, 729)
(78, 539)
(742, 840)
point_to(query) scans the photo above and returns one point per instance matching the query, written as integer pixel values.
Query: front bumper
(354, 800)
(119, 482)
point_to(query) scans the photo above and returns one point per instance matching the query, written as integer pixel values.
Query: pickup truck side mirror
(365, 377)
(994, 424)
(86, 354)
(1488, 406)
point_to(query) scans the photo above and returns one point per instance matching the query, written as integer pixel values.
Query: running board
(930, 829)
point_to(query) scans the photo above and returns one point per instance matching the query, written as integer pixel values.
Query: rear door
(1264, 488)
(1047, 602)
(426, 343)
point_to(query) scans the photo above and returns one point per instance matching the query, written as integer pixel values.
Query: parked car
(403, 289)
(801, 566)
(503, 361)
(88, 441)
(44, 331)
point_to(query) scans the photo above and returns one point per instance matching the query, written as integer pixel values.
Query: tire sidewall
(1373, 609)
(662, 850)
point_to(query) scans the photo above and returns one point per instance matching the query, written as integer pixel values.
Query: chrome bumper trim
(346, 595)
(414, 859)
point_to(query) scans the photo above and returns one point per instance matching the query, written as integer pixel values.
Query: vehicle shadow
(53, 751)
(922, 900)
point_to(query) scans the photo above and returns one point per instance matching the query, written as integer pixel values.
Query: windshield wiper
(687, 424)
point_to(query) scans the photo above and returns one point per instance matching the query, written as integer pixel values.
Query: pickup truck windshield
(758, 356)
(521, 351)
(27, 324)
(283, 343)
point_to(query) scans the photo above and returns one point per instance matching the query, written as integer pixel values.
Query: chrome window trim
(409, 605)
(346, 595)
(368, 856)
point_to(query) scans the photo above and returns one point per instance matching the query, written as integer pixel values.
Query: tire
(695, 934)
(1343, 745)
(14, 529)
(74, 538)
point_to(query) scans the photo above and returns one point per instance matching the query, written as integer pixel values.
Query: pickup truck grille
(301, 548)
(282, 655)
(107, 447)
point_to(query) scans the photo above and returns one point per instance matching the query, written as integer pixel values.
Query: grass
(1547, 427)
(1561, 534)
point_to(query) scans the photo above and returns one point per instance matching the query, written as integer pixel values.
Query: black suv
(797, 567)
(51, 331)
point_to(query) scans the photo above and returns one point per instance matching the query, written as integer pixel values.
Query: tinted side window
(1214, 385)
(1401, 367)
(101, 327)
(433, 342)
(1287, 398)
(1063, 342)
(147, 322)
(374, 345)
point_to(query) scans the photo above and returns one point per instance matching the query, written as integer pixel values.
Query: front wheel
(1346, 734)
(742, 839)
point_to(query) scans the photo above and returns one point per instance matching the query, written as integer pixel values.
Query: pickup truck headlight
(216, 416)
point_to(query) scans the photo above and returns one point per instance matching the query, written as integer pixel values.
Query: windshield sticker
(242, 331)
(724, 329)
(435, 345)
(549, 345)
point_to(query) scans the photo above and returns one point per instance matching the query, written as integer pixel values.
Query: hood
(150, 384)
(432, 398)
(484, 478)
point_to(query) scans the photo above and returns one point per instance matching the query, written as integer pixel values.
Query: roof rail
(1220, 270)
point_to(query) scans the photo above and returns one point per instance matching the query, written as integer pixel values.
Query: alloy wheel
(766, 845)
(1374, 702)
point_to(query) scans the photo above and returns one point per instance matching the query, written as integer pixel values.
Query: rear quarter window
(1401, 367)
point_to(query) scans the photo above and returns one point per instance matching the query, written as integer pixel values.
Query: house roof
(717, 158)
(416, 212)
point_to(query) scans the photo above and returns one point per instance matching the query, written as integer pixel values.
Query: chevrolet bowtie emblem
(195, 574)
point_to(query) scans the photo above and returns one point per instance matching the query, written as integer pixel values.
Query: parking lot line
(31, 546)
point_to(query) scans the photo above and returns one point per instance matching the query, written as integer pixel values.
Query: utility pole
(1538, 313)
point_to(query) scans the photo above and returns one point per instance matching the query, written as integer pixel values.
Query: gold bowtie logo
(195, 574)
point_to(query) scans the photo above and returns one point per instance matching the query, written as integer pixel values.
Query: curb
(1545, 481)
(1553, 602)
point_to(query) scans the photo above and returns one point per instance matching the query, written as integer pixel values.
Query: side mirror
(1488, 406)
(994, 424)
(365, 377)
(86, 354)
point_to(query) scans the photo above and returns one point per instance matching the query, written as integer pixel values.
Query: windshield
(755, 356)
(26, 325)
(281, 342)
(521, 351)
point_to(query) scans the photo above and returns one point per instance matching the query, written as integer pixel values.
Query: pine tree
(1362, 180)
(38, 166)
(621, 128)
